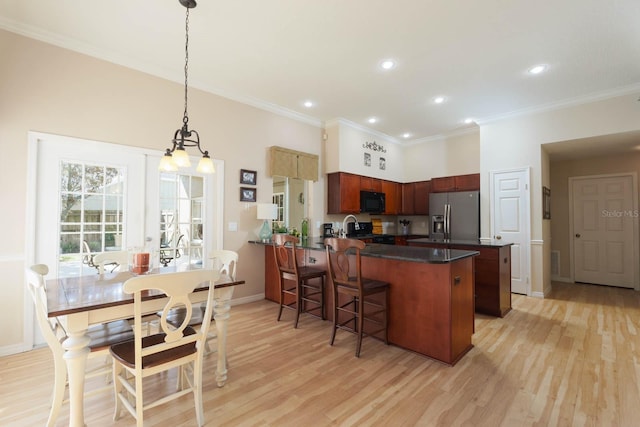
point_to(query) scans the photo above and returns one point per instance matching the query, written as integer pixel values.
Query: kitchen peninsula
(431, 298)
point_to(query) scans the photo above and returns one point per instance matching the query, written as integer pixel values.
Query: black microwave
(372, 202)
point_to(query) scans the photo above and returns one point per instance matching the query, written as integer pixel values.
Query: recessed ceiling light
(537, 69)
(387, 64)
(469, 120)
(308, 104)
(406, 135)
(372, 120)
(439, 99)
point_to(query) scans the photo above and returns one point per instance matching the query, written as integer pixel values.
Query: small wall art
(367, 159)
(248, 177)
(383, 163)
(247, 194)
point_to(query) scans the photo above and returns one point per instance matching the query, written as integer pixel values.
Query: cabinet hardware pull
(457, 280)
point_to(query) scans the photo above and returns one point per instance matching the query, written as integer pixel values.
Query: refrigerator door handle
(447, 217)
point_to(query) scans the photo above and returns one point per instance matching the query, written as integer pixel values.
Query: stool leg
(322, 298)
(281, 298)
(298, 302)
(335, 316)
(360, 316)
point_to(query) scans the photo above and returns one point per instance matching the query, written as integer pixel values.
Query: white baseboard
(561, 279)
(247, 300)
(8, 350)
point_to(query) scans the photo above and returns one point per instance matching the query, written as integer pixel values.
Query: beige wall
(48, 89)
(516, 143)
(446, 156)
(561, 171)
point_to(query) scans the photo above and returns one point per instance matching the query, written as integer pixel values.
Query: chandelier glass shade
(176, 156)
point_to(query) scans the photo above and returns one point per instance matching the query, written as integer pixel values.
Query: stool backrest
(284, 250)
(343, 261)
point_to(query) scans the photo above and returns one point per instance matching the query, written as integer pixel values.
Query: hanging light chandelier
(177, 156)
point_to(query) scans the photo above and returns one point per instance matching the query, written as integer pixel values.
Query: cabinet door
(408, 196)
(343, 193)
(469, 182)
(392, 197)
(370, 184)
(421, 197)
(443, 184)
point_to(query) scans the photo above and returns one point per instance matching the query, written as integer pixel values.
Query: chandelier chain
(185, 118)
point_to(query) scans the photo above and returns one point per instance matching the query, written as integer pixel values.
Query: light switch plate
(233, 226)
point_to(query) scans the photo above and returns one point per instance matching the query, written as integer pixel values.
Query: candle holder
(140, 260)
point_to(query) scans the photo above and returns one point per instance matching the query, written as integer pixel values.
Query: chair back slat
(177, 286)
(344, 269)
(50, 328)
(120, 258)
(226, 262)
(284, 249)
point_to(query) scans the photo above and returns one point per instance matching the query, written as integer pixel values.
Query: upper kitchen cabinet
(293, 164)
(408, 194)
(421, 198)
(415, 198)
(370, 184)
(393, 196)
(470, 182)
(343, 193)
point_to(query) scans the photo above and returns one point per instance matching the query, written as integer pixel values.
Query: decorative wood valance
(293, 164)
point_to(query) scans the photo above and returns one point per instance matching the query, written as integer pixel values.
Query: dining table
(81, 301)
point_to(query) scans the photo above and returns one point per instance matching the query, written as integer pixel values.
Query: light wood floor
(572, 359)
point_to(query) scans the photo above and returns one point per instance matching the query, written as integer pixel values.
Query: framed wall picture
(248, 177)
(546, 203)
(247, 194)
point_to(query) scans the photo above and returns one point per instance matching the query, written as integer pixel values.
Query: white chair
(224, 261)
(116, 259)
(102, 336)
(181, 347)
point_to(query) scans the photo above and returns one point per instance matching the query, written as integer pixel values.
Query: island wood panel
(492, 276)
(429, 313)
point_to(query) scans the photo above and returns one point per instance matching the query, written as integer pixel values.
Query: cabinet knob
(498, 237)
(457, 280)
(578, 235)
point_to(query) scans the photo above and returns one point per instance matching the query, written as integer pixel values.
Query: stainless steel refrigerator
(455, 215)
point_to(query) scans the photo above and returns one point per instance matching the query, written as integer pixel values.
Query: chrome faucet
(344, 225)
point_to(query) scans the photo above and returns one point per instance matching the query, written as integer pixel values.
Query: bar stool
(362, 305)
(303, 292)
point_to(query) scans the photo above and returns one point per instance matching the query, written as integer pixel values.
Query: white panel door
(603, 224)
(510, 213)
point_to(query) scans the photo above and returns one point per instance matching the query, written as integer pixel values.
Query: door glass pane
(91, 215)
(181, 219)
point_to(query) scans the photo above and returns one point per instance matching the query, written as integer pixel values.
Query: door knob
(578, 235)
(498, 237)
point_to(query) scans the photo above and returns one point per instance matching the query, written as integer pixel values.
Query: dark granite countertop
(397, 252)
(479, 243)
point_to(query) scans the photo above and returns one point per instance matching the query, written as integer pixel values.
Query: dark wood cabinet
(408, 195)
(443, 184)
(470, 182)
(393, 197)
(415, 198)
(343, 193)
(370, 184)
(492, 276)
(421, 197)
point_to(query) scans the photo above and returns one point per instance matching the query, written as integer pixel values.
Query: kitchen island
(492, 271)
(431, 297)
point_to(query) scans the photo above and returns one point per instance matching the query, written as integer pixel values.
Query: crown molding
(132, 63)
(345, 122)
(571, 102)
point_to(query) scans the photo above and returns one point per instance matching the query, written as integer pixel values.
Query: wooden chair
(114, 259)
(225, 262)
(360, 306)
(301, 293)
(181, 347)
(102, 336)
(87, 258)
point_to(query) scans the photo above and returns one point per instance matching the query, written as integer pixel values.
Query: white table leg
(221, 307)
(76, 351)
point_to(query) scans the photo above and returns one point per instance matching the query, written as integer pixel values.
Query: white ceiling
(277, 54)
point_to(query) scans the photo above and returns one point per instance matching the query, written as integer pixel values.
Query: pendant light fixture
(177, 156)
